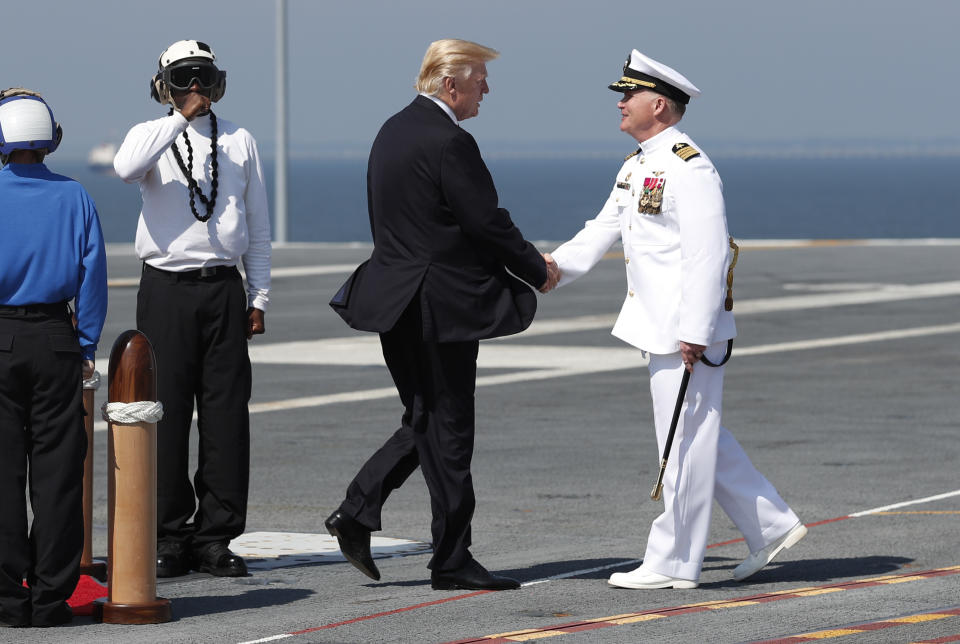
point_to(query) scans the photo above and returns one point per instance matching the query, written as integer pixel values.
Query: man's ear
(449, 85)
(661, 104)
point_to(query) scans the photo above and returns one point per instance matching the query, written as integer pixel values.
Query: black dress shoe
(217, 559)
(472, 576)
(172, 561)
(354, 540)
(9, 621)
(58, 616)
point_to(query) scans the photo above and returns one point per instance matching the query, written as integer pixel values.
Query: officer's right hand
(553, 274)
(87, 369)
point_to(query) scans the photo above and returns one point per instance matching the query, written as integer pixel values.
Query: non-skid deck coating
(842, 389)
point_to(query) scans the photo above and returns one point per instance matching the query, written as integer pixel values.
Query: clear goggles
(184, 75)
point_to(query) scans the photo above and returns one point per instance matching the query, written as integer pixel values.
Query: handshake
(553, 274)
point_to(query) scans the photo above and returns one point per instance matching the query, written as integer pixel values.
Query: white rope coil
(145, 411)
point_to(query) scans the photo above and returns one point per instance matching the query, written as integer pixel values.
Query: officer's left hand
(87, 370)
(691, 354)
(255, 323)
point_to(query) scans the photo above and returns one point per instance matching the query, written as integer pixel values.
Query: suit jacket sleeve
(468, 189)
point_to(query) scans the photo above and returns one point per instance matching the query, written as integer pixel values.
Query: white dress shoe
(641, 578)
(758, 560)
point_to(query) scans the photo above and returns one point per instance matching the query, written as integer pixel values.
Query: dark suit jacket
(438, 232)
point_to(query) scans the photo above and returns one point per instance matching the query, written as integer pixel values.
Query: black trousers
(41, 425)
(436, 382)
(198, 329)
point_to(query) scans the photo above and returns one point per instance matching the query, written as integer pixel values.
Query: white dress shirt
(169, 237)
(446, 108)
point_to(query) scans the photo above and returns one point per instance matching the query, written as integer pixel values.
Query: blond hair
(453, 58)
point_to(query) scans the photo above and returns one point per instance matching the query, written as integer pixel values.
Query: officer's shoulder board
(685, 151)
(632, 154)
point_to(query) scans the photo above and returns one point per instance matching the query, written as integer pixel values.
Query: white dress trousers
(706, 463)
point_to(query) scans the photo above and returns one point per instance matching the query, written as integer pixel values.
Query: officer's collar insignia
(685, 151)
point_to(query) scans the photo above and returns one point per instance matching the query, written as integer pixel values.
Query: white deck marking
(877, 294)
(945, 495)
(574, 573)
(563, 361)
(576, 360)
(270, 550)
(859, 338)
(631, 562)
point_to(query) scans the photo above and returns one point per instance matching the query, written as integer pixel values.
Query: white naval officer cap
(643, 72)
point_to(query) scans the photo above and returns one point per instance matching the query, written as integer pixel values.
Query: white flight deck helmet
(182, 63)
(26, 123)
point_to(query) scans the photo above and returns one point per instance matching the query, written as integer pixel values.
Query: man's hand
(553, 274)
(194, 105)
(255, 323)
(691, 354)
(87, 370)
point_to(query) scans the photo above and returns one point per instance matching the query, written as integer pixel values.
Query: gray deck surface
(843, 390)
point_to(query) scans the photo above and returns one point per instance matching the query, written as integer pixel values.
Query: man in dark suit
(435, 285)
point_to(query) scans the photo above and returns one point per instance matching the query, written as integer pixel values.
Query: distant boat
(101, 157)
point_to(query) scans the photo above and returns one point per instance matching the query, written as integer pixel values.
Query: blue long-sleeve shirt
(51, 247)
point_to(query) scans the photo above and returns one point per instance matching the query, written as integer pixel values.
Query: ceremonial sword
(658, 488)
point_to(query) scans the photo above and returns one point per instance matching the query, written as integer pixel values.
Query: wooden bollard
(95, 569)
(132, 493)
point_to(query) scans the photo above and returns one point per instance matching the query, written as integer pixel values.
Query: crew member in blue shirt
(51, 253)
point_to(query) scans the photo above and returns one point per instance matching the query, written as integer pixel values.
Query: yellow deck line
(635, 618)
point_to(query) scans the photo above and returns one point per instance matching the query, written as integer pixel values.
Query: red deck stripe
(389, 612)
(761, 598)
(483, 592)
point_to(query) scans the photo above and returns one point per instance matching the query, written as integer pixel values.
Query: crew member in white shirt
(204, 211)
(667, 207)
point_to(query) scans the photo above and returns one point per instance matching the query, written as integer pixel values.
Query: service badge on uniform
(685, 151)
(651, 199)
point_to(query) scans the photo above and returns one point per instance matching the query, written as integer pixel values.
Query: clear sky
(832, 74)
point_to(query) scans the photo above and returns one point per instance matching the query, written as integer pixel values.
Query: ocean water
(800, 198)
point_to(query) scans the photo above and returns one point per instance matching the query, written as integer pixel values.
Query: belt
(56, 309)
(207, 272)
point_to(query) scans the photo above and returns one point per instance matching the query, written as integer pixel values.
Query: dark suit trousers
(436, 382)
(41, 424)
(198, 329)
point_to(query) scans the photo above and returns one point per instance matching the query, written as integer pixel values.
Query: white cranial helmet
(185, 62)
(26, 123)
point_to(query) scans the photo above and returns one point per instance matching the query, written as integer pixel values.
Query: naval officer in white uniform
(667, 207)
